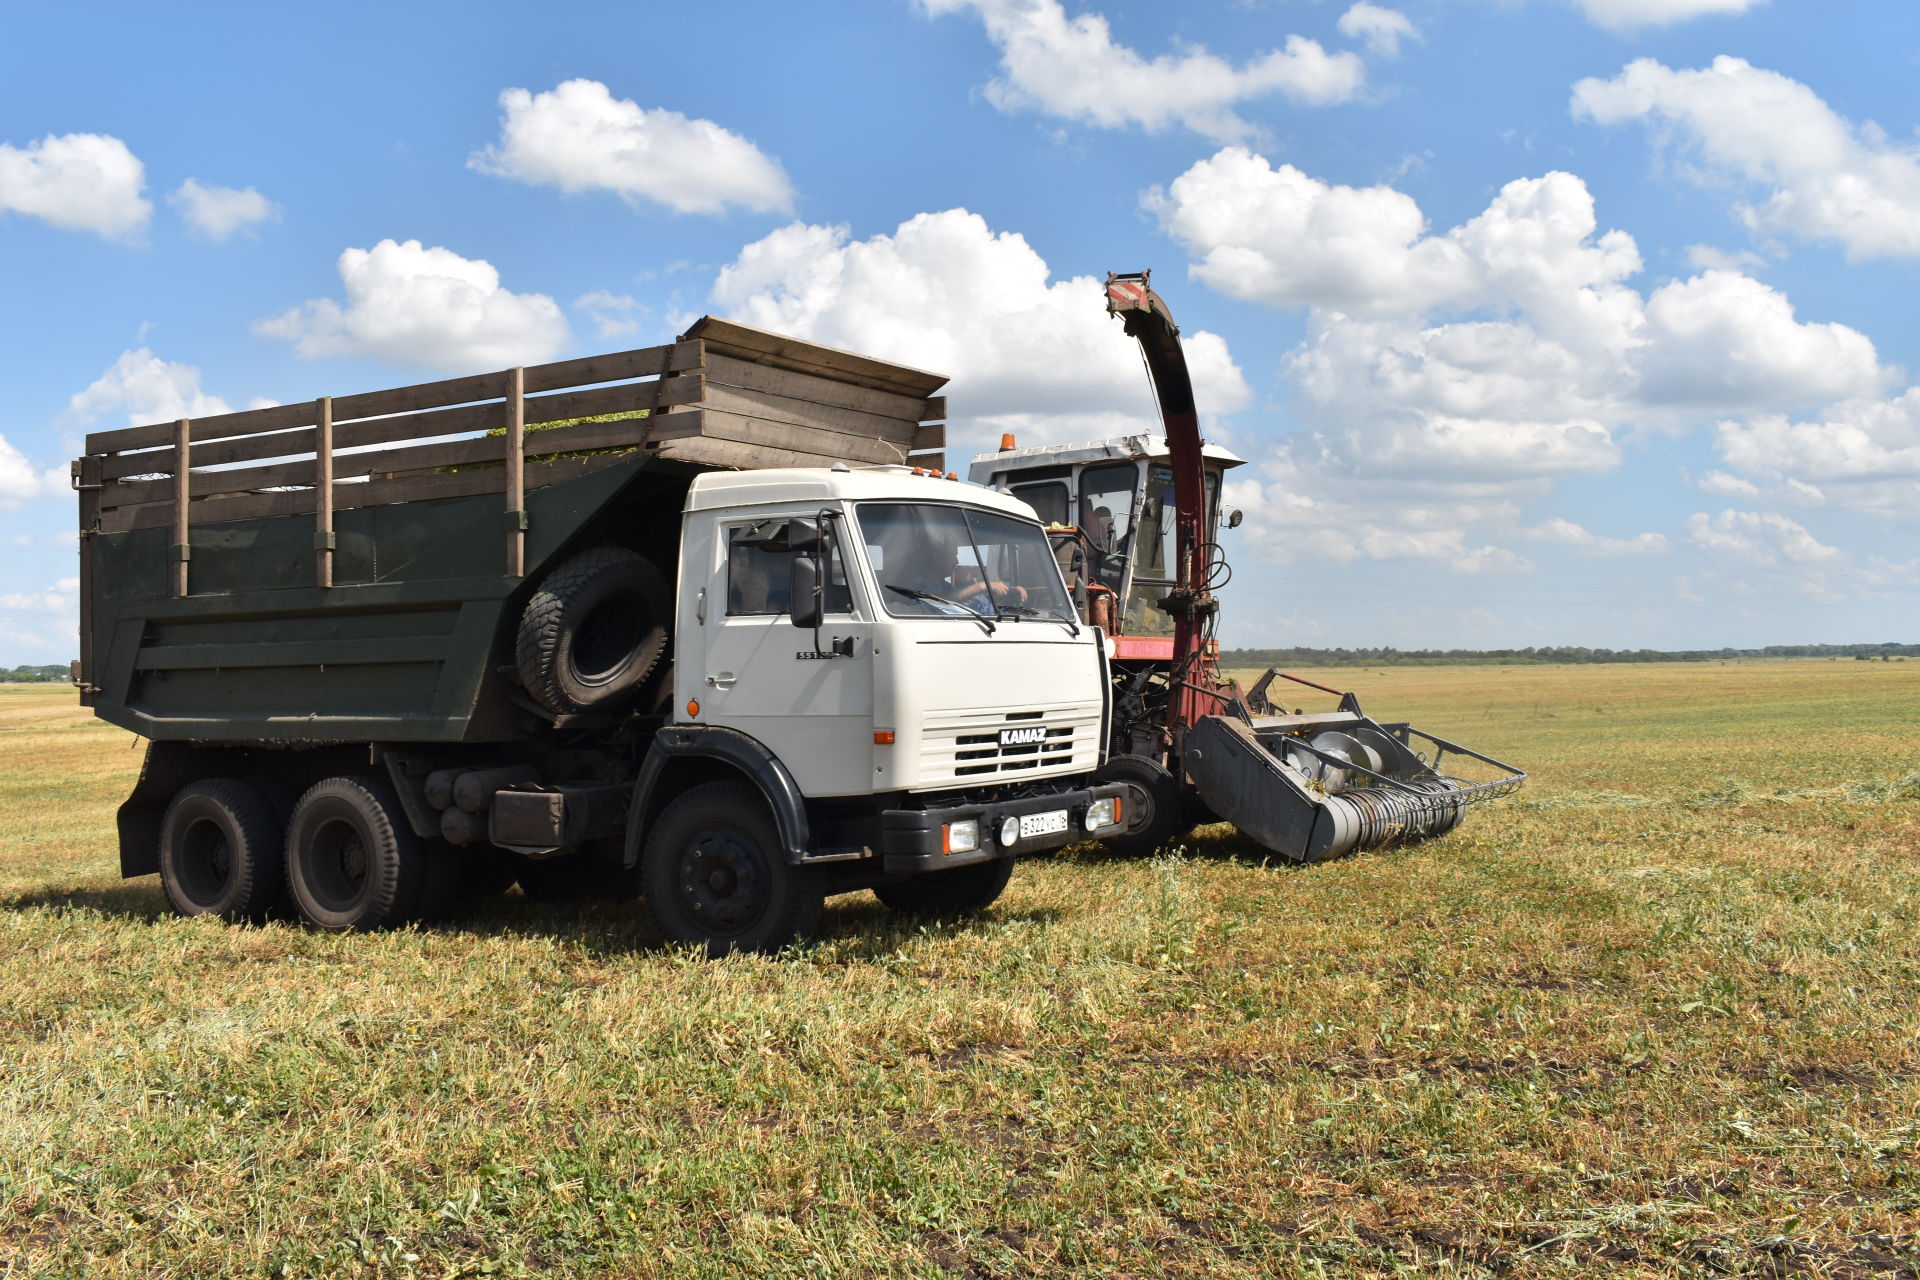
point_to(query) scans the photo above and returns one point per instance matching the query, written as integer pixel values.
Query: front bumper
(911, 839)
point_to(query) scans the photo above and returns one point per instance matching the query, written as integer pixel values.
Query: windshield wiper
(1053, 615)
(914, 593)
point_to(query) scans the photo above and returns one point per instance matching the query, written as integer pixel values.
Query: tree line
(34, 675)
(1390, 657)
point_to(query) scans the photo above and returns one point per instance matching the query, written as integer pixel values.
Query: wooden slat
(216, 427)
(424, 395)
(735, 372)
(626, 398)
(781, 436)
(447, 453)
(806, 413)
(727, 338)
(732, 453)
(630, 397)
(372, 493)
(932, 435)
(646, 362)
(936, 410)
(346, 435)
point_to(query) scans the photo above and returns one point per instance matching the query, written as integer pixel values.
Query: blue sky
(1539, 321)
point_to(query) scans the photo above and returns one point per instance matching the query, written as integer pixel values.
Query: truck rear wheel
(593, 632)
(220, 851)
(961, 891)
(1152, 809)
(714, 875)
(353, 863)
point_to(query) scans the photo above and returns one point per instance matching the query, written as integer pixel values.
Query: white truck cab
(903, 649)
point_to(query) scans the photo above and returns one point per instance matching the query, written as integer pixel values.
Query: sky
(1539, 322)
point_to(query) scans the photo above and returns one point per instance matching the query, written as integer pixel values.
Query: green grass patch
(1655, 1017)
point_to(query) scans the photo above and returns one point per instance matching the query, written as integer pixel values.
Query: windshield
(935, 561)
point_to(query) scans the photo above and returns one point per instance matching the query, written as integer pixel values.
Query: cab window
(1049, 501)
(757, 578)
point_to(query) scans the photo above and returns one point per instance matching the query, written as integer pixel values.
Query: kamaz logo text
(1023, 736)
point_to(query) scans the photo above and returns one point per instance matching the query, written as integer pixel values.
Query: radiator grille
(967, 746)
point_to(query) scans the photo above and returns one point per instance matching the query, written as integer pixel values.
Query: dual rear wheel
(342, 854)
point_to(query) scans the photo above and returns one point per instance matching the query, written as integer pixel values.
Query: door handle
(724, 680)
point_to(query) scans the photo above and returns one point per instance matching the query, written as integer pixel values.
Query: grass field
(1659, 1016)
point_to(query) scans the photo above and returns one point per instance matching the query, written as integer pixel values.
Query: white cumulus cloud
(1379, 28)
(1074, 69)
(78, 181)
(424, 308)
(614, 315)
(1566, 533)
(579, 137)
(946, 293)
(41, 626)
(20, 479)
(146, 389)
(1630, 15)
(1511, 346)
(220, 212)
(1761, 537)
(1727, 340)
(1298, 514)
(1819, 176)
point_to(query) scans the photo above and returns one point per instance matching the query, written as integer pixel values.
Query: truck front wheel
(714, 875)
(220, 851)
(961, 891)
(353, 863)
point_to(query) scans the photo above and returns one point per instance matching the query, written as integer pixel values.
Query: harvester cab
(1135, 523)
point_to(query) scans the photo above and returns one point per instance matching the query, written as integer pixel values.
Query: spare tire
(594, 631)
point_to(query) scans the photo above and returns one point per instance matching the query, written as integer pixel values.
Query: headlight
(1102, 813)
(1009, 832)
(962, 837)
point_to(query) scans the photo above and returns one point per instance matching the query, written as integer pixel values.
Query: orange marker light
(1006, 443)
(693, 707)
(883, 737)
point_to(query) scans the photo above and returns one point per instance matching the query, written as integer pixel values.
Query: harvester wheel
(220, 851)
(1153, 809)
(961, 891)
(594, 631)
(353, 863)
(714, 874)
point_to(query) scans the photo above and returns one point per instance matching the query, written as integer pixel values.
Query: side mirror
(803, 592)
(803, 535)
(1233, 518)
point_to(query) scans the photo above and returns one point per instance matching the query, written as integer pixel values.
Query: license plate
(1042, 824)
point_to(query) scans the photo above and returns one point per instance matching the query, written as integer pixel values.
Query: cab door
(812, 706)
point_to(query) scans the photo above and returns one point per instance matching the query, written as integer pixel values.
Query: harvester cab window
(757, 578)
(1158, 554)
(1049, 500)
(1106, 517)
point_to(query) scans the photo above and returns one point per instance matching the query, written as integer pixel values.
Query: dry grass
(1656, 1017)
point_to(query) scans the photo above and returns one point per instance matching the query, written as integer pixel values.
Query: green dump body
(406, 646)
(353, 570)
